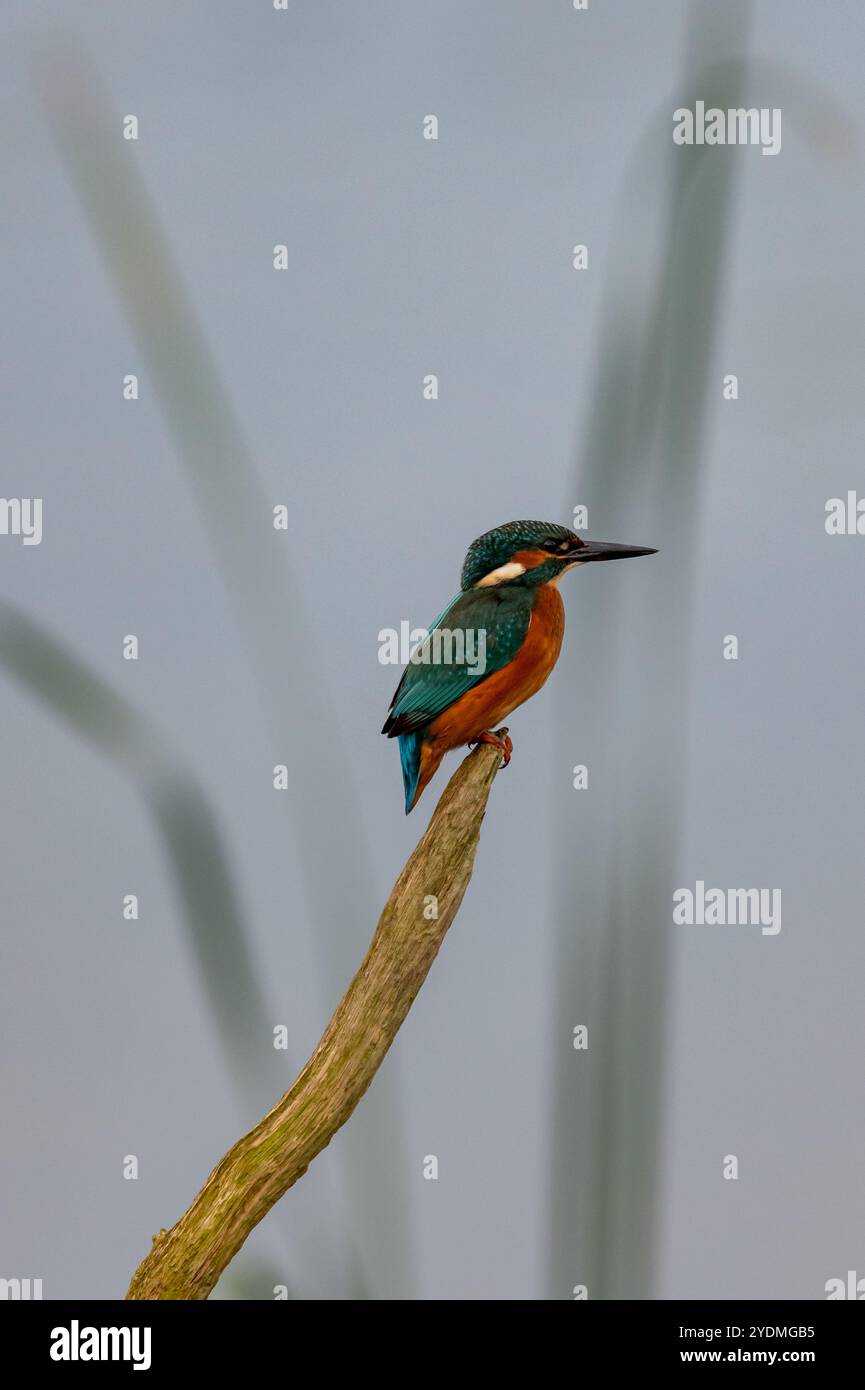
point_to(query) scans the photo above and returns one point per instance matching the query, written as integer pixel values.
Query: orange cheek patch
(530, 559)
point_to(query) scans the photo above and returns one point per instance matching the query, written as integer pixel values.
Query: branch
(185, 1262)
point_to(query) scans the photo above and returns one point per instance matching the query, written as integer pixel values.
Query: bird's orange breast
(493, 699)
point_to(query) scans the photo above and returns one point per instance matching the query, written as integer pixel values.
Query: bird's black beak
(608, 550)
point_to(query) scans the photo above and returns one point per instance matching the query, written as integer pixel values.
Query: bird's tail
(420, 759)
(409, 756)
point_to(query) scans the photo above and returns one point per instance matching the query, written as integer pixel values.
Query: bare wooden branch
(186, 1261)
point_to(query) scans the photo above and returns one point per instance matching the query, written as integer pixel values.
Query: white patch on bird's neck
(509, 571)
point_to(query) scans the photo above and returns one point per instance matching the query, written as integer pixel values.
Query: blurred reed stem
(641, 471)
(270, 620)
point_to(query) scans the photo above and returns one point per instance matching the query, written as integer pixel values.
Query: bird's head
(534, 552)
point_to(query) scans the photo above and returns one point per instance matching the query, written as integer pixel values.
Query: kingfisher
(492, 648)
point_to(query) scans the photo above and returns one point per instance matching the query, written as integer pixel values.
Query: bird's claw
(504, 745)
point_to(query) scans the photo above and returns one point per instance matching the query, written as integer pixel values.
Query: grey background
(408, 257)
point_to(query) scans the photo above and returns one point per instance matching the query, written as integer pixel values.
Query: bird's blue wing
(430, 686)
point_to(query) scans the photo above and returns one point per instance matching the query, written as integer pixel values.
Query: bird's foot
(504, 744)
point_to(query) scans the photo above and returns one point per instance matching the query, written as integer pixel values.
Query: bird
(492, 648)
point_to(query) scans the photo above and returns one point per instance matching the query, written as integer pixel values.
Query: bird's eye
(551, 545)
